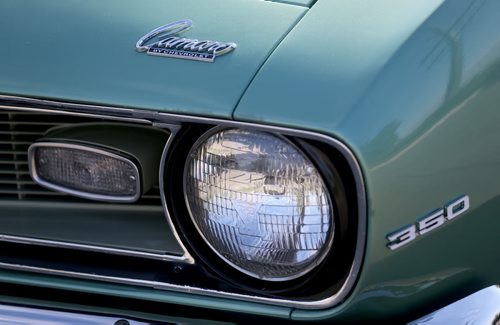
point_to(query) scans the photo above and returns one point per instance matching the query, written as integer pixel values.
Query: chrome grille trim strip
(90, 248)
(185, 258)
(174, 120)
(74, 113)
(188, 258)
(145, 283)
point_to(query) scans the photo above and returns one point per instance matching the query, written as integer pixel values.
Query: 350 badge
(431, 221)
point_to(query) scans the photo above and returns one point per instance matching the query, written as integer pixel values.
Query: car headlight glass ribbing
(259, 203)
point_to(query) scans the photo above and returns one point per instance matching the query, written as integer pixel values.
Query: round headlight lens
(259, 203)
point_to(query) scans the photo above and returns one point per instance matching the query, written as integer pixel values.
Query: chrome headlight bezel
(337, 172)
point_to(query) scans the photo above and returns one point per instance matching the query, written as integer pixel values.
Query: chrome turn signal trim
(87, 195)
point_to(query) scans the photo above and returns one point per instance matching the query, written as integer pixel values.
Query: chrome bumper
(25, 315)
(482, 307)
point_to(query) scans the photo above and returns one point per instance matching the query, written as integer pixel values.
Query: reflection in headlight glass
(259, 203)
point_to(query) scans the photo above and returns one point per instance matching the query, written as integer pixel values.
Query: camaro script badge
(173, 46)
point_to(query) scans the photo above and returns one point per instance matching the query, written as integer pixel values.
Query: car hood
(84, 51)
(326, 67)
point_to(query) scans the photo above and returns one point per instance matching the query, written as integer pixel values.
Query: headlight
(259, 203)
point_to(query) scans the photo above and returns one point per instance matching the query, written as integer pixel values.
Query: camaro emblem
(173, 46)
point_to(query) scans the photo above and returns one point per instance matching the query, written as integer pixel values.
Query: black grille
(18, 130)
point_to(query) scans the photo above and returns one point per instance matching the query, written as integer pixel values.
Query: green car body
(411, 88)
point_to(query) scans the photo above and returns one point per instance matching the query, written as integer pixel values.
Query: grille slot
(18, 130)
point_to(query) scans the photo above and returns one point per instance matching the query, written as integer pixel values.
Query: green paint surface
(413, 91)
(84, 51)
(411, 88)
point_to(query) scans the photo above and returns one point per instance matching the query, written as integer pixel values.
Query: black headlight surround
(335, 267)
(205, 284)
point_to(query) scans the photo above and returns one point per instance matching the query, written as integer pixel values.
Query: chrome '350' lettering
(169, 45)
(431, 221)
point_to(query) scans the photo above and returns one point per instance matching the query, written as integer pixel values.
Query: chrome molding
(173, 132)
(90, 248)
(174, 121)
(83, 110)
(32, 315)
(86, 195)
(116, 114)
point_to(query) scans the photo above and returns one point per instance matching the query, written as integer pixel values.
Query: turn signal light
(85, 171)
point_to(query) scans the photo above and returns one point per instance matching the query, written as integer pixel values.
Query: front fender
(414, 92)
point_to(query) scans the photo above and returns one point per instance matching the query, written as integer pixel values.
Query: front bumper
(27, 315)
(481, 307)
(23, 315)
